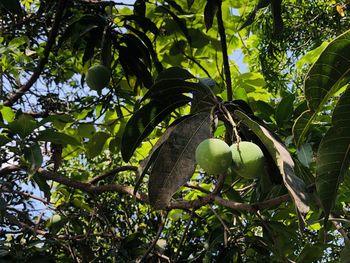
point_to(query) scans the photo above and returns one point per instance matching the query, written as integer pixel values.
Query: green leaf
(305, 154)
(7, 113)
(33, 155)
(173, 87)
(251, 16)
(138, 49)
(4, 139)
(263, 110)
(80, 203)
(174, 73)
(134, 66)
(301, 126)
(175, 163)
(145, 23)
(23, 126)
(146, 163)
(43, 185)
(56, 137)
(199, 39)
(311, 56)
(140, 8)
(284, 110)
(209, 13)
(95, 145)
(326, 76)
(149, 46)
(60, 120)
(190, 3)
(142, 122)
(86, 130)
(311, 253)
(296, 187)
(333, 156)
(329, 73)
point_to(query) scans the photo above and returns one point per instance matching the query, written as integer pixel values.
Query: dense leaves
(109, 175)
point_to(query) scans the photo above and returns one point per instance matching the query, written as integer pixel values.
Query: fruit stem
(104, 48)
(228, 116)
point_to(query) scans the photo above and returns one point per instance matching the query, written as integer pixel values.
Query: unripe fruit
(98, 77)
(248, 159)
(214, 156)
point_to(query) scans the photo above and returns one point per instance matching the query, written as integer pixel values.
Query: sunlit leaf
(7, 113)
(311, 56)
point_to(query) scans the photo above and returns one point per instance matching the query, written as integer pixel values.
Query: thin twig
(226, 229)
(183, 237)
(254, 206)
(112, 172)
(42, 62)
(228, 116)
(154, 242)
(196, 187)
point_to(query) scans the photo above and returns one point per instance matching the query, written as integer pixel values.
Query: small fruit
(248, 159)
(98, 77)
(214, 156)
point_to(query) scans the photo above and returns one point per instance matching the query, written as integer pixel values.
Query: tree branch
(89, 188)
(128, 190)
(254, 206)
(42, 62)
(9, 169)
(224, 52)
(112, 172)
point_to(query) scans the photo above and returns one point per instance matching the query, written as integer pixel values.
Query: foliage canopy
(109, 175)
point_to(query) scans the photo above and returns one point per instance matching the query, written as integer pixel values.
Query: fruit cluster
(245, 158)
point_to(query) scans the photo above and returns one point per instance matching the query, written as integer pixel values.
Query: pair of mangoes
(245, 158)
